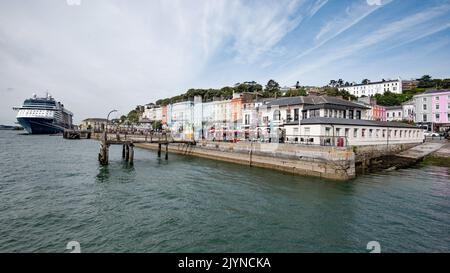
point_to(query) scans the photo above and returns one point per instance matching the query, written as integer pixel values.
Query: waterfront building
(276, 113)
(94, 124)
(373, 88)
(221, 129)
(164, 114)
(351, 132)
(433, 110)
(181, 119)
(374, 111)
(152, 112)
(394, 113)
(409, 110)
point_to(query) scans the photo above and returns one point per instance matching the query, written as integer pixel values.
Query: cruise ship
(43, 115)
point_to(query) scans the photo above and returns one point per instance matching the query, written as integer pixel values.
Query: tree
(133, 116)
(272, 89)
(335, 92)
(425, 82)
(156, 125)
(296, 92)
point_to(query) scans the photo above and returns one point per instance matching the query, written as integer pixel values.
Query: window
(327, 131)
(307, 131)
(355, 132)
(424, 99)
(288, 115)
(393, 114)
(437, 106)
(338, 131)
(437, 117)
(395, 133)
(384, 133)
(436, 98)
(363, 132)
(296, 114)
(424, 107)
(350, 114)
(358, 114)
(247, 119)
(347, 130)
(424, 117)
(370, 132)
(377, 133)
(276, 115)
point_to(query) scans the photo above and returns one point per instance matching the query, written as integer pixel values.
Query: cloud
(399, 32)
(374, 2)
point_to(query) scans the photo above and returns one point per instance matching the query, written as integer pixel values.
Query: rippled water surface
(53, 191)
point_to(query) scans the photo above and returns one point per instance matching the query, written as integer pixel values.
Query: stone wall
(327, 162)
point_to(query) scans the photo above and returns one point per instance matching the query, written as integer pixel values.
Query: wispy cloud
(401, 31)
(354, 13)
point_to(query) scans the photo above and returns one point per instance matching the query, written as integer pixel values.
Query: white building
(351, 132)
(394, 113)
(152, 112)
(409, 110)
(372, 88)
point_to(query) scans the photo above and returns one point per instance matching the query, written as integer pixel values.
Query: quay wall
(337, 163)
(381, 157)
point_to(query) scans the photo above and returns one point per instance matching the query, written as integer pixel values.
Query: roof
(432, 92)
(360, 122)
(370, 83)
(314, 100)
(395, 107)
(436, 91)
(95, 119)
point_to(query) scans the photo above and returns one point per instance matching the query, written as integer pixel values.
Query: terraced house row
(308, 120)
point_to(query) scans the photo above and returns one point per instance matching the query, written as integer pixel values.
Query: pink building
(433, 109)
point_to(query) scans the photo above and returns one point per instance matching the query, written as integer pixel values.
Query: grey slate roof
(360, 122)
(314, 100)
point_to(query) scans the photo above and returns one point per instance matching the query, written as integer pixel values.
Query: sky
(98, 55)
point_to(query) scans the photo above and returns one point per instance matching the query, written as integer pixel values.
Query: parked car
(430, 134)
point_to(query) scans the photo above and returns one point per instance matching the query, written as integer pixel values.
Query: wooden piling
(131, 152)
(159, 149)
(167, 151)
(127, 152)
(123, 151)
(103, 155)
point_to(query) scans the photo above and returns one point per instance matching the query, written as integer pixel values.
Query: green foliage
(272, 89)
(157, 125)
(133, 116)
(426, 81)
(333, 91)
(296, 92)
(393, 99)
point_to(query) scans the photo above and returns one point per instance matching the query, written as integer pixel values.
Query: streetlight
(107, 121)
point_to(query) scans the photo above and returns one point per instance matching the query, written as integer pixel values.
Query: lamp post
(107, 121)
